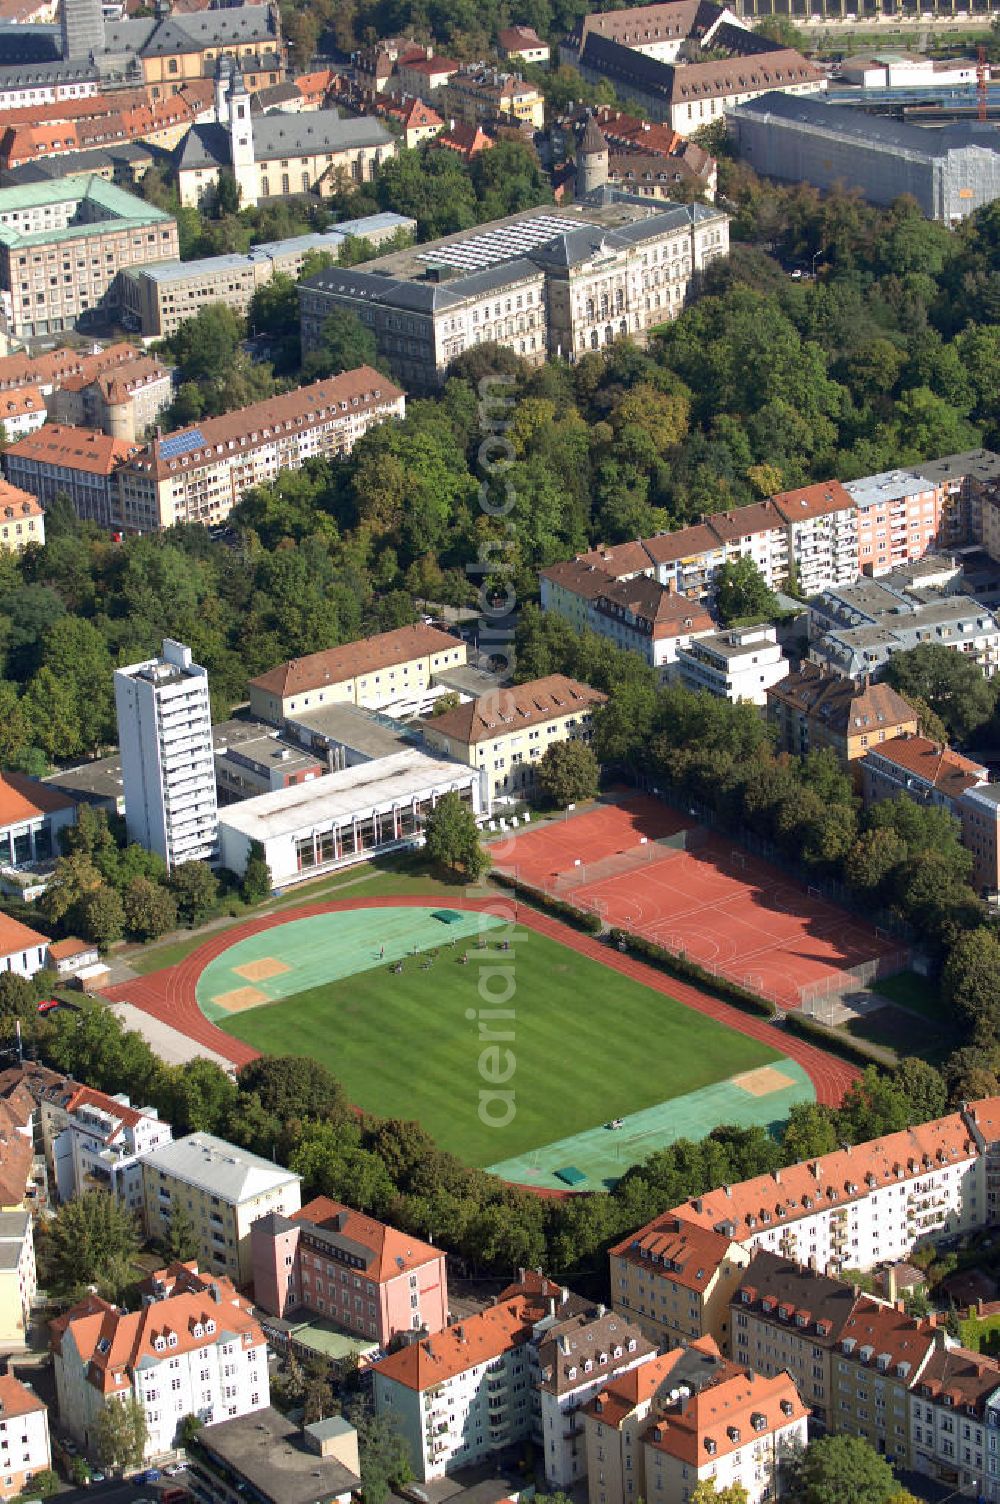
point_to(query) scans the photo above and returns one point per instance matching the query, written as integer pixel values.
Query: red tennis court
(647, 868)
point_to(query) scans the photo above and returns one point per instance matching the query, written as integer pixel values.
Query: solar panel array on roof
(505, 243)
(181, 443)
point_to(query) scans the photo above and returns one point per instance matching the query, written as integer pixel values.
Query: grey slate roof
(29, 44)
(204, 146)
(855, 125)
(320, 130)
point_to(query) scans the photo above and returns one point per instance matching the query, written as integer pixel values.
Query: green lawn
(588, 1044)
(915, 993)
(403, 875)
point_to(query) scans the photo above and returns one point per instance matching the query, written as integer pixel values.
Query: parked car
(151, 1475)
(48, 1005)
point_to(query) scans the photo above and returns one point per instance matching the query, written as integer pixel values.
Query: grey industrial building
(950, 171)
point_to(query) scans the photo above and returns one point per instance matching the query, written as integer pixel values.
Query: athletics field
(421, 1009)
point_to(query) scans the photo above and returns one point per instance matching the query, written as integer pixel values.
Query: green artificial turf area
(588, 1044)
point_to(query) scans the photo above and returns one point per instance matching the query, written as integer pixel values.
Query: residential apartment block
(519, 1370)
(808, 537)
(21, 412)
(480, 95)
(93, 1141)
(931, 774)
(899, 518)
(80, 463)
(638, 613)
(616, 1419)
(22, 519)
(198, 474)
(577, 1354)
(394, 668)
(223, 1190)
(340, 1264)
(196, 1353)
(119, 389)
(18, 1276)
(855, 629)
(735, 1433)
(62, 245)
(811, 709)
(676, 1278)
(788, 1318)
(167, 760)
(539, 283)
(506, 734)
(853, 1208)
(741, 664)
(25, 1444)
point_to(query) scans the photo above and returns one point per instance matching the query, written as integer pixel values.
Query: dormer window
(571, 1373)
(197, 1332)
(172, 1339)
(210, 1327)
(158, 1344)
(631, 1344)
(710, 1446)
(588, 1365)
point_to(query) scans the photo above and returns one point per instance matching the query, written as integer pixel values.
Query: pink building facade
(341, 1264)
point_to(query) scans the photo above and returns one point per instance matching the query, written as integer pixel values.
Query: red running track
(170, 995)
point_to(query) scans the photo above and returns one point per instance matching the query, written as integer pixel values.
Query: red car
(48, 1005)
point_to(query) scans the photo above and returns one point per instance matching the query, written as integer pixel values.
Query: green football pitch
(587, 1044)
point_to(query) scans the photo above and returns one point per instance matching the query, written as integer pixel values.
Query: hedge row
(835, 1042)
(578, 918)
(686, 970)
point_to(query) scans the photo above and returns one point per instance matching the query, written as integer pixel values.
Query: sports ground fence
(817, 999)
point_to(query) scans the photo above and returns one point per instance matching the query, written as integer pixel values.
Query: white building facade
(93, 1142)
(740, 665)
(168, 763)
(191, 1354)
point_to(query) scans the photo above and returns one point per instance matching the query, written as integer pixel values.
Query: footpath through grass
(588, 1044)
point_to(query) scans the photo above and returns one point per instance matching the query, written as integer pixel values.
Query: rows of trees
(295, 1110)
(892, 354)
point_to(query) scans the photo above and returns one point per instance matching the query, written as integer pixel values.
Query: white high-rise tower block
(168, 764)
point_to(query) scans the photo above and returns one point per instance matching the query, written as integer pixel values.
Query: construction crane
(982, 94)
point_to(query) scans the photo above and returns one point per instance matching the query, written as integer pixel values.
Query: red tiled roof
(834, 1179)
(393, 1252)
(15, 936)
(725, 1416)
(334, 665)
(17, 503)
(24, 399)
(487, 1335)
(111, 1343)
(506, 710)
(513, 38)
(819, 500)
(357, 390)
(940, 767)
(636, 1386)
(24, 798)
(687, 1253)
(620, 558)
(75, 448)
(16, 1398)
